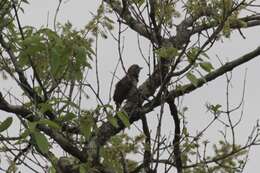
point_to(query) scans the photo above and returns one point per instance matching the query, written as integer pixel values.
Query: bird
(126, 85)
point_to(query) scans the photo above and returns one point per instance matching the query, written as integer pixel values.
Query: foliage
(55, 57)
(51, 67)
(120, 146)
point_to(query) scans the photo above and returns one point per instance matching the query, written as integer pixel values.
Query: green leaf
(41, 141)
(112, 120)
(31, 46)
(68, 117)
(185, 131)
(45, 107)
(108, 23)
(124, 118)
(207, 66)
(83, 168)
(138, 2)
(86, 124)
(226, 29)
(25, 134)
(167, 52)
(228, 5)
(12, 167)
(205, 55)
(192, 78)
(50, 123)
(23, 137)
(32, 126)
(52, 170)
(58, 61)
(192, 54)
(80, 54)
(6, 124)
(215, 108)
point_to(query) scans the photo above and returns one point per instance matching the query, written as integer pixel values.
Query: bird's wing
(122, 90)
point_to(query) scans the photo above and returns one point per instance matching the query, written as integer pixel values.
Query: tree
(50, 67)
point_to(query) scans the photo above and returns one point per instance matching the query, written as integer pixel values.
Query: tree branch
(55, 135)
(22, 79)
(203, 80)
(177, 134)
(107, 130)
(134, 24)
(16, 109)
(250, 21)
(147, 159)
(218, 72)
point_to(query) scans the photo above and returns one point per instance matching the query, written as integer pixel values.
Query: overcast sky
(41, 12)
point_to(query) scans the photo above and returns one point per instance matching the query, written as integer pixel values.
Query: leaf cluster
(55, 57)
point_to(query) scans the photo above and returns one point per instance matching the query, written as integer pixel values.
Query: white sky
(78, 13)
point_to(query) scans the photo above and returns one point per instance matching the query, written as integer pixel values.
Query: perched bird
(127, 84)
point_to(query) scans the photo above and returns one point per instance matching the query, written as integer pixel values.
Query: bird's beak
(140, 68)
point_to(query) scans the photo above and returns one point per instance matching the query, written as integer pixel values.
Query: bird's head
(134, 70)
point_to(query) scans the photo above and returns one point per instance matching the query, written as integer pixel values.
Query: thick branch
(134, 24)
(177, 134)
(16, 109)
(64, 142)
(147, 159)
